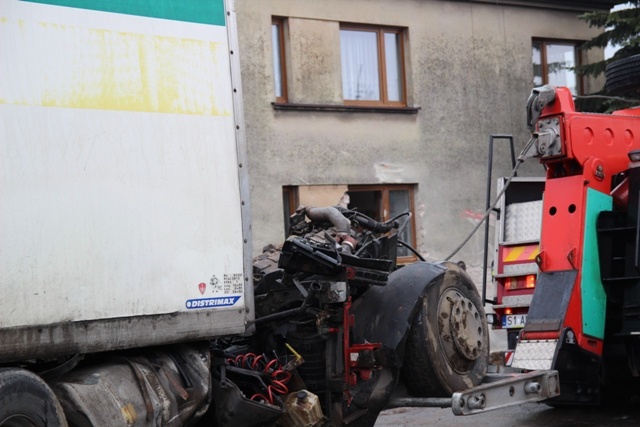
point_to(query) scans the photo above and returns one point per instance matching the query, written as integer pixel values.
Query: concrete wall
(468, 68)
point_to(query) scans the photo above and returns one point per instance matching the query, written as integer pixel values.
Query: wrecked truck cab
(337, 318)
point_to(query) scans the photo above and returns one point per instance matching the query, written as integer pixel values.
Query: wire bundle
(271, 370)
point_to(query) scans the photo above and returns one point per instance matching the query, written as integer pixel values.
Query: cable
(415, 252)
(614, 98)
(519, 161)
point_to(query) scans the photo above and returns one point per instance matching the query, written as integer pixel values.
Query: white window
(553, 64)
(372, 65)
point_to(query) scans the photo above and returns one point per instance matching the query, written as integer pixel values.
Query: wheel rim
(467, 328)
(461, 330)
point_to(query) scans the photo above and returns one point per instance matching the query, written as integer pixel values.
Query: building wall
(468, 68)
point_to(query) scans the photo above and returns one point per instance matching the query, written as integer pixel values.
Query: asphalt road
(527, 415)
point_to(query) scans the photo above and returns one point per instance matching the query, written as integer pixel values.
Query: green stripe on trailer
(594, 299)
(196, 11)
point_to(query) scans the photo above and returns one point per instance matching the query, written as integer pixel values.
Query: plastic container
(302, 409)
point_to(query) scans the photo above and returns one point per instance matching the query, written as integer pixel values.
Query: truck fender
(384, 314)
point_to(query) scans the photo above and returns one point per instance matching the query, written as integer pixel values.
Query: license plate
(514, 321)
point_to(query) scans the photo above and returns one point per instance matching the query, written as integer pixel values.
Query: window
(372, 65)
(553, 62)
(279, 69)
(383, 202)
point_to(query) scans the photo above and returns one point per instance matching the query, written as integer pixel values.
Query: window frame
(545, 66)
(290, 198)
(280, 23)
(382, 69)
(386, 209)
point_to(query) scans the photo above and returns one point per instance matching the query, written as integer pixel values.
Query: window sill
(343, 108)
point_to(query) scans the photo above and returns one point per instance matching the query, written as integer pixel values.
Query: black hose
(373, 225)
(329, 214)
(412, 249)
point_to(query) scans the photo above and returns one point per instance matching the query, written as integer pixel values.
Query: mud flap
(384, 314)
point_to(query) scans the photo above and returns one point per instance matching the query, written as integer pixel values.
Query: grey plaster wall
(468, 69)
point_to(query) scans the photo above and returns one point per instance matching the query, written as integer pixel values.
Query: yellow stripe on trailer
(71, 65)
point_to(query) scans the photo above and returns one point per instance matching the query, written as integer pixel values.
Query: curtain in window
(277, 70)
(360, 75)
(392, 59)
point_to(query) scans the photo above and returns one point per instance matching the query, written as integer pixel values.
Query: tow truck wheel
(27, 401)
(448, 345)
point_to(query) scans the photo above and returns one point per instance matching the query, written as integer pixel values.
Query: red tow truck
(584, 318)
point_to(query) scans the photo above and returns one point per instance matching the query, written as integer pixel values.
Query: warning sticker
(233, 283)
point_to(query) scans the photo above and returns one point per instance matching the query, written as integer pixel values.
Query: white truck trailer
(128, 296)
(124, 213)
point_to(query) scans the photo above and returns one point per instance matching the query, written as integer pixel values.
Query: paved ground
(528, 415)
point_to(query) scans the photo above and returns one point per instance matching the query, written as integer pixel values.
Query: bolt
(532, 387)
(477, 402)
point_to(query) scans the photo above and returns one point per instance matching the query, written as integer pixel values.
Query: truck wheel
(623, 76)
(27, 401)
(448, 345)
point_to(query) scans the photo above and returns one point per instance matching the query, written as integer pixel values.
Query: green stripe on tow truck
(594, 300)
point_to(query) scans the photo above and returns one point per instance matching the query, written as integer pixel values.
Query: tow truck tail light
(521, 282)
(530, 281)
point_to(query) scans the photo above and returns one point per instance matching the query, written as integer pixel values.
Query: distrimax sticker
(212, 302)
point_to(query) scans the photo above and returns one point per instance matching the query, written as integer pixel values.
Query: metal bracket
(540, 97)
(506, 390)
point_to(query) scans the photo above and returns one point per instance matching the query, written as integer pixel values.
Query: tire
(26, 400)
(448, 344)
(623, 76)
